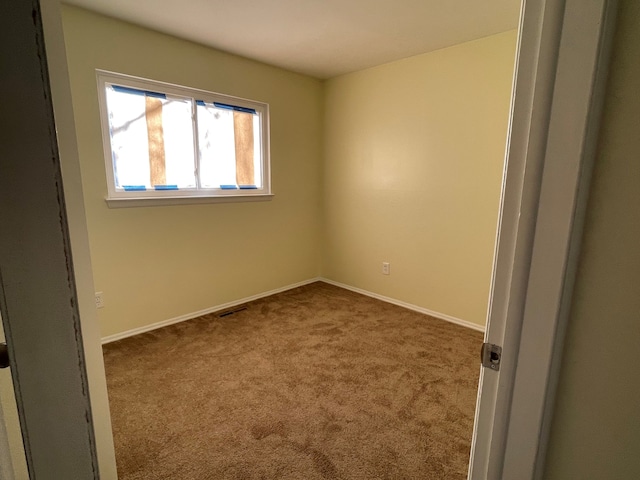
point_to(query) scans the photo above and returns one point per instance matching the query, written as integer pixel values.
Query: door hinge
(490, 355)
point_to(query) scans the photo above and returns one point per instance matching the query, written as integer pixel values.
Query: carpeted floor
(313, 383)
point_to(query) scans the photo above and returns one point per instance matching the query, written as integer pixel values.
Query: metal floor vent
(226, 313)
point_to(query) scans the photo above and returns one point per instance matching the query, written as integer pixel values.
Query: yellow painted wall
(156, 263)
(405, 168)
(414, 152)
(596, 427)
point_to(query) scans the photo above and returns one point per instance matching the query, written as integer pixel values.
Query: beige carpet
(314, 383)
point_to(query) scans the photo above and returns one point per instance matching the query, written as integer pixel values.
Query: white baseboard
(441, 316)
(217, 308)
(189, 316)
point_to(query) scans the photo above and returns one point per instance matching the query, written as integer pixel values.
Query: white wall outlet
(99, 300)
(385, 268)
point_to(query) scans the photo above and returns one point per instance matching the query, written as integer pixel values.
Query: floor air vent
(226, 313)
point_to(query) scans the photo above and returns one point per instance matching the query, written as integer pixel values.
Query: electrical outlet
(99, 300)
(385, 268)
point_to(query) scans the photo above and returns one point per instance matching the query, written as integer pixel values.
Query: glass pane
(151, 139)
(217, 147)
(178, 142)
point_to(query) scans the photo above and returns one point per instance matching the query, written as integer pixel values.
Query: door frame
(78, 236)
(48, 308)
(562, 57)
(37, 288)
(559, 85)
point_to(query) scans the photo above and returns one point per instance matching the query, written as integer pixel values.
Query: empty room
(292, 218)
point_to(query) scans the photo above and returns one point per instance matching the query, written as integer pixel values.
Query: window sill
(124, 202)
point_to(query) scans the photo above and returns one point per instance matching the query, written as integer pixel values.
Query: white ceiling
(321, 38)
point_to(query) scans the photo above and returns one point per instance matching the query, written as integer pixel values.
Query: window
(164, 142)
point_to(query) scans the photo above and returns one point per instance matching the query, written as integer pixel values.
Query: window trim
(149, 197)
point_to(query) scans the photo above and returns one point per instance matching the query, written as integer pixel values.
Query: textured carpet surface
(313, 383)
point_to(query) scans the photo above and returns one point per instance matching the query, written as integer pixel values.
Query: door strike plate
(490, 356)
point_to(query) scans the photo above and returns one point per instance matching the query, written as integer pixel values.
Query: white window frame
(117, 198)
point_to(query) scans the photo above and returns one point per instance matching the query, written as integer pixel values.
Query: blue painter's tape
(235, 107)
(134, 188)
(200, 102)
(228, 187)
(165, 187)
(132, 91)
(247, 187)
(135, 91)
(154, 94)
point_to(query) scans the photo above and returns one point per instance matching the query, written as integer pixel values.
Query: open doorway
(418, 144)
(17, 358)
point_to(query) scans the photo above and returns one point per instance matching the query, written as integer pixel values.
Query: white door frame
(555, 112)
(563, 54)
(79, 236)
